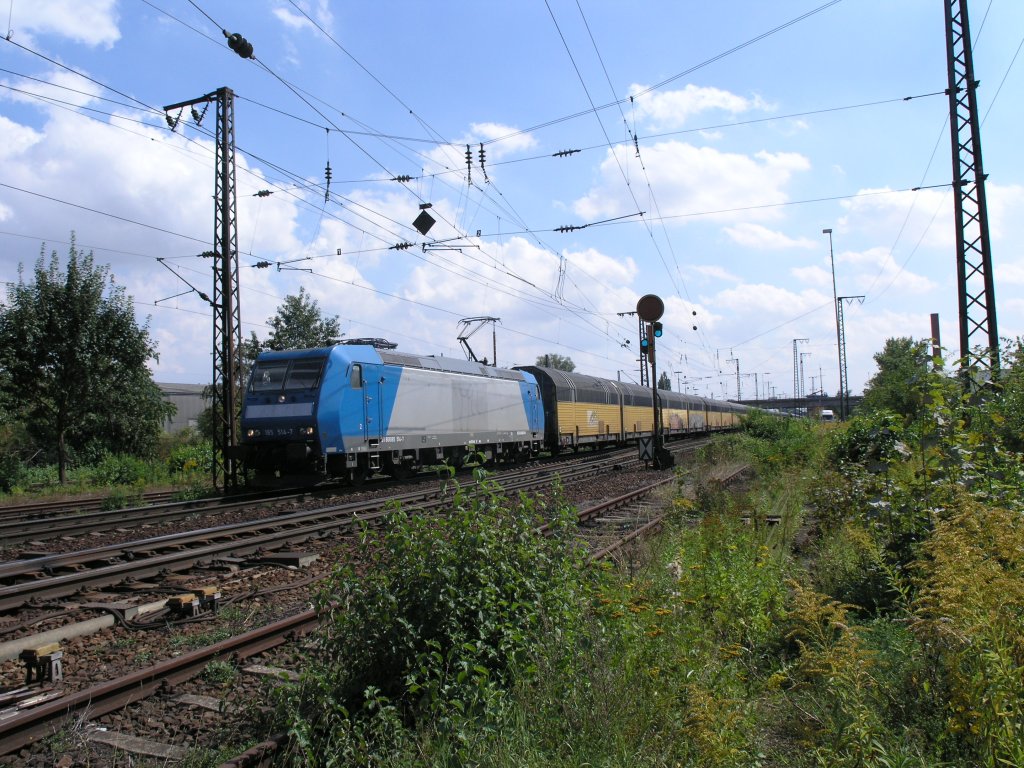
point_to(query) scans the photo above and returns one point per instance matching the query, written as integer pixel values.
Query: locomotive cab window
(356, 377)
(304, 374)
(268, 377)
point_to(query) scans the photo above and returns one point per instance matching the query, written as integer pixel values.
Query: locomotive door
(361, 408)
(373, 404)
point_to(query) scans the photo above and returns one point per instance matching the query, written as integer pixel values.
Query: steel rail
(30, 725)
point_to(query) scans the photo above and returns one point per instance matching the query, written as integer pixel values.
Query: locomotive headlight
(308, 430)
(252, 433)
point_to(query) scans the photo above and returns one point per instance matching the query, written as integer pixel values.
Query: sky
(695, 151)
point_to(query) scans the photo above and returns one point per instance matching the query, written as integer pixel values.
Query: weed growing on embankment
(867, 615)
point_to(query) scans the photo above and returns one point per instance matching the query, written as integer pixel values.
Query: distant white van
(827, 415)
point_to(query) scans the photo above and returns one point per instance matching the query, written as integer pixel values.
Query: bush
(12, 470)
(120, 469)
(850, 566)
(972, 588)
(433, 627)
(874, 439)
(190, 457)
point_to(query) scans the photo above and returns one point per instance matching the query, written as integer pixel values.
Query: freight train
(352, 410)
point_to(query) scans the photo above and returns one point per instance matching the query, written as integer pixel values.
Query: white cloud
(291, 19)
(16, 139)
(670, 110)
(764, 300)
(760, 237)
(92, 22)
(814, 275)
(714, 272)
(64, 87)
(516, 141)
(875, 269)
(1009, 273)
(1005, 203)
(692, 181)
(321, 11)
(512, 141)
(924, 216)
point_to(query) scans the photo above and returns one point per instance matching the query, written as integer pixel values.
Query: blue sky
(716, 141)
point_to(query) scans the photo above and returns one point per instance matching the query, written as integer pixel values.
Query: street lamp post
(839, 343)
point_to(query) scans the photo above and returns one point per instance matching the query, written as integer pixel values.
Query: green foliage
(765, 426)
(74, 362)
(12, 471)
(560, 362)
(840, 687)
(730, 579)
(774, 444)
(1009, 408)
(851, 566)
(300, 324)
(433, 627)
(872, 438)
(968, 610)
(121, 498)
(189, 459)
(121, 469)
(904, 370)
(221, 673)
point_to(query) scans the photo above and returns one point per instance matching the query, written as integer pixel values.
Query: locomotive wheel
(402, 471)
(357, 476)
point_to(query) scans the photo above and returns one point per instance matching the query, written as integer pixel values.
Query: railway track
(50, 577)
(27, 716)
(42, 521)
(32, 522)
(605, 527)
(49, 507)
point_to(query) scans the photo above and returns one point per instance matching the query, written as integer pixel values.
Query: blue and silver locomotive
(352, 410)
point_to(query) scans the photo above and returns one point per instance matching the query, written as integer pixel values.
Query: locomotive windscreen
(286, 375)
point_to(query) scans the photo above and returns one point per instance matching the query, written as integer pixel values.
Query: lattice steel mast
(844, 381)
(227, 324)
(976, 292)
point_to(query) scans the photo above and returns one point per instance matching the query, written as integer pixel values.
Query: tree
(300, 324)
(901, 383)
(73, 362)
(559, 362)
(664, 382)
(1009, 406)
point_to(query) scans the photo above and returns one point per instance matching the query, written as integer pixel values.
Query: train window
(356, 378)
(268, 377)
(304, 374)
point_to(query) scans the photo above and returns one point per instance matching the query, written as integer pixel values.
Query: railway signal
(650, 308)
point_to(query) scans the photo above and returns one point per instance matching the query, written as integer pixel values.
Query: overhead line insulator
(566, 152)
(239, 44)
